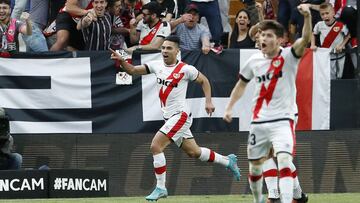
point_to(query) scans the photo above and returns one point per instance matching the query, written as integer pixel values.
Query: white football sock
(270, 173)
(211, 156)
(160, 170)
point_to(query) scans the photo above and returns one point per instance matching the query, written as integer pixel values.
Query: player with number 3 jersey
(274, 105)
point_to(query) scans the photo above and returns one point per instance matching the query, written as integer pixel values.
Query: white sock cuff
(159, 160)
(205, 154)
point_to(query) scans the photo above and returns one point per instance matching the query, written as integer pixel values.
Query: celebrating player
(274, 71)
(173, 77)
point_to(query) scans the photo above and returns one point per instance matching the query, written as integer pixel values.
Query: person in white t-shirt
(173, 77)
(274, 106)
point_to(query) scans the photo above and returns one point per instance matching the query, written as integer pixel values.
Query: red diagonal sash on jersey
(276, 66)
(330, 37)
(148, 38)
(176, 77)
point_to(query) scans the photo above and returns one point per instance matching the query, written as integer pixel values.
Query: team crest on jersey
(176, 75)
(276, 63)
(11, 32)
(336, 29)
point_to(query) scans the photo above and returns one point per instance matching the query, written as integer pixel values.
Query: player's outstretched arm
(129, 68)
(205, 84)
(301, 43)
(236, 94)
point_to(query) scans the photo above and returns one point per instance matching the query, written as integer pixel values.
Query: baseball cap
(191, 7)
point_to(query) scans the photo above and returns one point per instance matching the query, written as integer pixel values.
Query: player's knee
(255, 168)
(193, 153)
(155, 148)
(284, 160)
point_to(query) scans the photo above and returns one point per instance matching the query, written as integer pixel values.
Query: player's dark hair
(272, 25)
(173, 38)
(5, 2)
(153, 7)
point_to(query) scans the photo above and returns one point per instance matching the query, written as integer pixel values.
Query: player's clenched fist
(304, 9)
(227, 116)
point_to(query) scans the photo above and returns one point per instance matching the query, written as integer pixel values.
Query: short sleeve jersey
(275, 91)
(172, 83)
(144, 29)
(322, 29)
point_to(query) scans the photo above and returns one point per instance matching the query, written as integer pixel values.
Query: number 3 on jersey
(252, 139)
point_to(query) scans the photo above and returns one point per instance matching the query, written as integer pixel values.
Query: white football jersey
(323, 30)
(275, 89)
(172, 83)
(144, 29)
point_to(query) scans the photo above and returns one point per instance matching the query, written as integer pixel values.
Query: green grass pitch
(313, 198)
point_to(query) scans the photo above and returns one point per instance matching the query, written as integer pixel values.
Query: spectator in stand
(8, 159)
(150, 32)
(118, 31)
(240, 36)
(211, 11)
(35, 42)
(67, 36)
(192, 34)
(348, 17)
(168, 9)
(270, 9)
(96, 27)
(334, 35)
(131, 9)
(11, 27)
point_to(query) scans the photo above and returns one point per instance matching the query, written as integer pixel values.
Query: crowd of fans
(55, 25)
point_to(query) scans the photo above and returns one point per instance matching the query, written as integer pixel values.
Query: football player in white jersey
(274, 71)
(269, 166)
(173, 77)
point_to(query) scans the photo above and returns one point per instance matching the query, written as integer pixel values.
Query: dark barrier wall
(327, 161)
(345, 104)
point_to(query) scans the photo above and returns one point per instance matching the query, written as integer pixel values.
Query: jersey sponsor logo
(166, 83)
(269, 76)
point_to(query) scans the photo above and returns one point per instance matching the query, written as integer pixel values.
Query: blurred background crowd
(206, 25)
